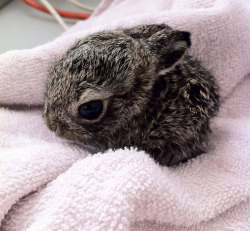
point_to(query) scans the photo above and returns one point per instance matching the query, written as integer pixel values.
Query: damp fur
(155, 96)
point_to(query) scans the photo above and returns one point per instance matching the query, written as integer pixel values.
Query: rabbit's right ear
(169, 47)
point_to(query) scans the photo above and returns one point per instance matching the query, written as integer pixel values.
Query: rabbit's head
(102, 92)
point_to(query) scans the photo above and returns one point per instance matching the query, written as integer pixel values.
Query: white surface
(24, 27)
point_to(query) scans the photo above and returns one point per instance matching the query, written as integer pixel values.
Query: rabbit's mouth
(64, 132)
(60, 129)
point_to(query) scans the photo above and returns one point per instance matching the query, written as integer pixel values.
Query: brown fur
(155, 97)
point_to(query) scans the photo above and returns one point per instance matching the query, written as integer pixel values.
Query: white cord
(52, 10)
(82, 6)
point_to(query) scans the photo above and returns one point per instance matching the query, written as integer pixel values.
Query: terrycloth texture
(48, 184)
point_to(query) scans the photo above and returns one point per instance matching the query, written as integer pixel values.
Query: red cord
(63, 13)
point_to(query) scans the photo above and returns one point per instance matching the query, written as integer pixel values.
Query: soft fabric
(47, 183)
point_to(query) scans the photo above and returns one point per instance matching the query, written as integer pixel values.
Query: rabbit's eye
(91, 110)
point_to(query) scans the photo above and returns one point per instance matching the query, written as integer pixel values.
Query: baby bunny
(133, 88)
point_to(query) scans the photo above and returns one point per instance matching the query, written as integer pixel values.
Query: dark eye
(91, 110)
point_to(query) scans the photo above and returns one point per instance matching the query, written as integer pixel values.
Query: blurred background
(22, 26)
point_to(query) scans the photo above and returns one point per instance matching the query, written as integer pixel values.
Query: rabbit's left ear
(168, 47)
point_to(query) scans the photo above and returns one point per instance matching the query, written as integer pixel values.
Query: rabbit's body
(133, 88)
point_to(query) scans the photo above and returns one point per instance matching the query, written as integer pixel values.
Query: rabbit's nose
(55, 126)
(59, 128)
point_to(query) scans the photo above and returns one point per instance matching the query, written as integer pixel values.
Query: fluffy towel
(48, 184)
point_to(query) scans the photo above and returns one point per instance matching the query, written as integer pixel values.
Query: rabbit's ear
(168, 47)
